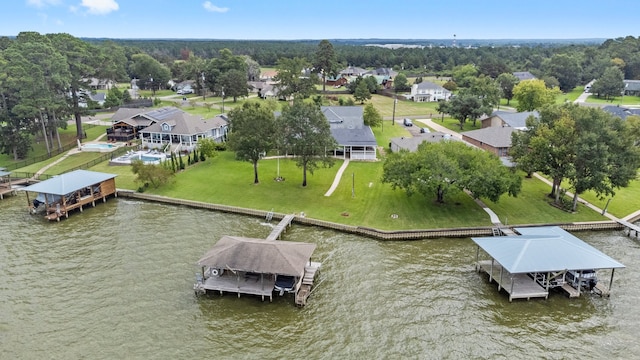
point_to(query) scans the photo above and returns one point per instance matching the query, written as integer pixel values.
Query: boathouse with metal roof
(73, 190)
(528, 265)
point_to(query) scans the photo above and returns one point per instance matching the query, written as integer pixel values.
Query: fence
(107, 156)
(39, 158)
(43, 157)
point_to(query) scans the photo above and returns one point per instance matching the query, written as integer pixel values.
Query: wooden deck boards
(282, 225)
(304, 292)
(523, 287)
(241, 284)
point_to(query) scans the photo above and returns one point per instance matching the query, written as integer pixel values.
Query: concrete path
(495, 220)
(437, 127)
(66, 155)
(336, 180)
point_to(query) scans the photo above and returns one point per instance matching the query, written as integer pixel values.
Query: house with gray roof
(621, 112)
(632, 87)
(428, 91)
(516, 120)
(523, 75)
(411, 143)
(353, 71)
(181, 130)
(494, 139)
(355, 140)
(127, 122)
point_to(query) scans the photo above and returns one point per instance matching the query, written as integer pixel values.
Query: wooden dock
(570, 290)
(601, 290)
(10, 187)
(630, 227)
(282, 225)
(518, 286)
(303, 293)
(240, 283)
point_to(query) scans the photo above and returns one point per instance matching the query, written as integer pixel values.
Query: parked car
(407, 122)
(185, 91)
(424, 130)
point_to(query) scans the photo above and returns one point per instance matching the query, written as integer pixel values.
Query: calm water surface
(116, 282)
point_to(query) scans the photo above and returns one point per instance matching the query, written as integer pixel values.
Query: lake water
(116, 282)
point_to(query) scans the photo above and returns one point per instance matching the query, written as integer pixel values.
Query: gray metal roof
(259, 255)
(544, 249)
(69, 182)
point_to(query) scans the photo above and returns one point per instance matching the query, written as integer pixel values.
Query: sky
(323, 19)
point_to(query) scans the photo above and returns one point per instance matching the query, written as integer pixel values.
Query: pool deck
(137, 155)
(99, 147)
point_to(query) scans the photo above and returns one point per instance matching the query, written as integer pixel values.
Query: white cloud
(100, 7)
(207, 5)
(42, 3)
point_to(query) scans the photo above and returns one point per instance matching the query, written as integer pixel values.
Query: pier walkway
(282, 225)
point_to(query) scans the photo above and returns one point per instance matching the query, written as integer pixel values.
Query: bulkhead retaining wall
(365, 231)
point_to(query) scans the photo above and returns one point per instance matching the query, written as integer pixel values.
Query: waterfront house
(355, 140)
(181, 131)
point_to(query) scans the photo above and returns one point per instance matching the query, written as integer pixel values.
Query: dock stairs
(307, 283)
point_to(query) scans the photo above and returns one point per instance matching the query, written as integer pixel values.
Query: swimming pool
(148, 157)
(98, 147)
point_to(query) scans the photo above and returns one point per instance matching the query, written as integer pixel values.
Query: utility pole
(204, 88)
(393, 118)
(223, 99)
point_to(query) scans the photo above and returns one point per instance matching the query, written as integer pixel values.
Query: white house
(355, 139)
(182, 130)
(428, 91)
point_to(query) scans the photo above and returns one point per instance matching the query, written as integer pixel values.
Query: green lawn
(625, 202)
(621, 100)
(360, 199)
(533, 206)
(225, 180)
(67, 137)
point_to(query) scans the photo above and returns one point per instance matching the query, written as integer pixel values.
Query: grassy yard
(227, 181)
(360, 199)
(533, 206)
(67, 137)
(621, 100)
